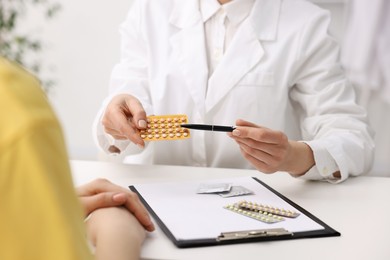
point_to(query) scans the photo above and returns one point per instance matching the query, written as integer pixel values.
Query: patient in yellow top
(41, 217)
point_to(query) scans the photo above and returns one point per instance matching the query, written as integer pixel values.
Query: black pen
(217, 128)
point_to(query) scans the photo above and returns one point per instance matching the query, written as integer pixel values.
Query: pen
(217, 128)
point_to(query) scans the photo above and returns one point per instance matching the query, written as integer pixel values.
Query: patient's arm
(115, 234)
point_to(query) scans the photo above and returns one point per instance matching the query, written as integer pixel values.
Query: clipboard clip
(272, 232)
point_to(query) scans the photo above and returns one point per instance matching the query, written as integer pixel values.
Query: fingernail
(142, 124)
(120, 197)
(236, 132)
(140, 146)
(151, 227)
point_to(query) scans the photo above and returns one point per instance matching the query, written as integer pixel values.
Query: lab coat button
(218, 54)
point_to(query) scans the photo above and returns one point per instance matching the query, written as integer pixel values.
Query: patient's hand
(102, 193)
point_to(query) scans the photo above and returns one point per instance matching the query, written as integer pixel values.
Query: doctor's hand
(270, 151)
(123, 118)
(102, 193)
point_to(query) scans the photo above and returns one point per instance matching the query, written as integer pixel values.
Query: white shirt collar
(208, 8)
(236, 10)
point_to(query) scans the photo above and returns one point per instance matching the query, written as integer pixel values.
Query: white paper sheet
(190, 216)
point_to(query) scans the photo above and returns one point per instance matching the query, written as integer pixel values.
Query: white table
(358, 208)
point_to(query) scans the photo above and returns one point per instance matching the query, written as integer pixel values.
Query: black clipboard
(245, 236)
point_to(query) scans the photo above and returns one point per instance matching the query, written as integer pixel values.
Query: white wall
(84, 45)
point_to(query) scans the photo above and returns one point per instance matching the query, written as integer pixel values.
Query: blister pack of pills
(264, 213)
(267, 208)
(165, 127)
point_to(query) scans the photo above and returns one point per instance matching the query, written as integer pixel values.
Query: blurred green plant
(24, 48)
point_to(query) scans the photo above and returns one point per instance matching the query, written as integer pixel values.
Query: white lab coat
(280, 71)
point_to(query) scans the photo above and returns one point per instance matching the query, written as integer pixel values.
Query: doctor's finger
(242, 122)
(259, 134)
(115, 118)
(260, 160)
(272, 149)
(124, 126)
(246, 129)
(114, 133)
(137, 111)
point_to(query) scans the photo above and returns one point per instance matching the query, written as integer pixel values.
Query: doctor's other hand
(102, 193)
(270, 151)
(123, 118)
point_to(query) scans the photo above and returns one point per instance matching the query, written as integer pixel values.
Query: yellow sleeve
(40, 215)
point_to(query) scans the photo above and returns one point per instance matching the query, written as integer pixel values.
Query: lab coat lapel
(243, 54)
(245, 51)
(188, 46)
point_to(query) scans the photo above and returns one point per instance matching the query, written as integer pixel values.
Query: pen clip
(254, 234)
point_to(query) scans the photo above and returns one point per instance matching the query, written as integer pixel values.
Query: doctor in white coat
(267, 66)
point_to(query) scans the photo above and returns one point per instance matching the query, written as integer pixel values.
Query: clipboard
(189, 219)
